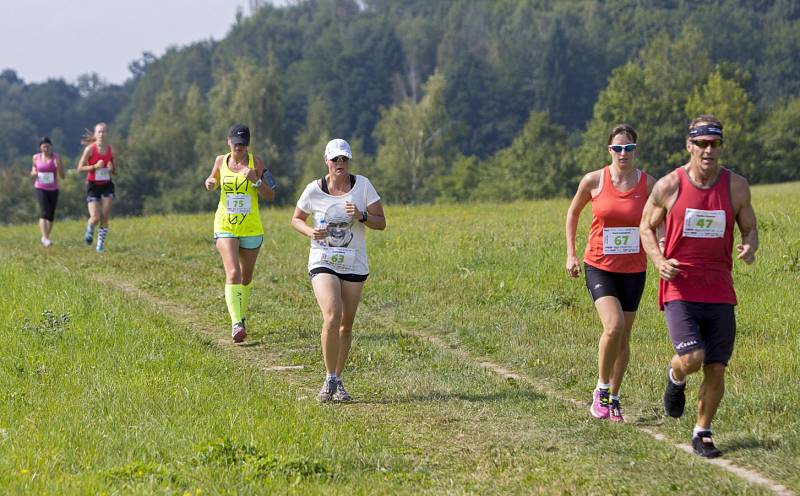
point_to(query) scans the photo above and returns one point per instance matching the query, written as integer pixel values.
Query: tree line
(464, 100)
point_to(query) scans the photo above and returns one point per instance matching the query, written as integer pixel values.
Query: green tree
(650, 93)
(538, 164)
(414, 145)
(781, 143)
(729, 102)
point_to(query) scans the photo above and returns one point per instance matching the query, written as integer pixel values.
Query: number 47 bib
(703, 223)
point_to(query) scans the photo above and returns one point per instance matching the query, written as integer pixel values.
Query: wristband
(257, 184)
(364, 217)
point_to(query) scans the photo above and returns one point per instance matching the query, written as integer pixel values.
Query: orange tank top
(613, 243)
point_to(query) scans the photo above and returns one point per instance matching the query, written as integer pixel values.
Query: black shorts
(47, 203)
(343, 277)
(94, 191)
(626, 287)
(710, 326)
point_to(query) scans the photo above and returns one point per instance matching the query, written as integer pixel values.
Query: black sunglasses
(706, 143)
(340, 158)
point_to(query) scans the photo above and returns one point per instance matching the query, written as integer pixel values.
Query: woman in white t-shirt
(341, 206)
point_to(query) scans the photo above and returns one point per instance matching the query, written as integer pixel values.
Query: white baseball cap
(337, 147)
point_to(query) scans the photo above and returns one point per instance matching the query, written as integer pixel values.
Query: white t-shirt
(345, 249)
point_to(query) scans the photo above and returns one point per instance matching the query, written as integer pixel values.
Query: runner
(238, 232)
(46, 168)
(614, 262)
(98, 161)
(337, 261)
(700, 202)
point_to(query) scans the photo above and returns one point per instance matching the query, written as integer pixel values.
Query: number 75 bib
(703, 223)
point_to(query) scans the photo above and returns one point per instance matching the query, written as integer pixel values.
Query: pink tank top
(613, 243)
(700, 236)
(46, 172)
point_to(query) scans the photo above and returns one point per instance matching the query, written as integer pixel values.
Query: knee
(692, 362)
(345, 331)
(332, 318)
(233, 276)
(614, 329)
(715, 374)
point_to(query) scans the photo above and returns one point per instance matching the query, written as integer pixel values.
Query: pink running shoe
(238, 333)
(616, 412)
(600, 404)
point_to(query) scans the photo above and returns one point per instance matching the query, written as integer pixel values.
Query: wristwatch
(363, 216)
(257, 184)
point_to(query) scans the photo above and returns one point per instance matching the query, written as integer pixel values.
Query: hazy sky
(42, 39)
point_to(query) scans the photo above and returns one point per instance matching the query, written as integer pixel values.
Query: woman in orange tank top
(615, 263)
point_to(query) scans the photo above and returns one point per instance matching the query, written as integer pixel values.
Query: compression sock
(233, 298)
(246, 297)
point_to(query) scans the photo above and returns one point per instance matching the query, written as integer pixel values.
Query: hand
(211, 184)
(746, 253)
(668, 269)
(251, 175)
(351, 210)
(573, 266)
(99, 164)
(319, 233)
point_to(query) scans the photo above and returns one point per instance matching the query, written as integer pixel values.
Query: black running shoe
(674, 398)
(704, 446)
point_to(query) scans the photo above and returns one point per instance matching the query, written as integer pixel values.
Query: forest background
(444, 101)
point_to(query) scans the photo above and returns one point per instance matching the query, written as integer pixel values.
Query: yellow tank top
(237, 212)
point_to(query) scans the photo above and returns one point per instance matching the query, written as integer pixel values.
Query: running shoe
(100, 249)
(238, 333)
(341, 393)
(600, 404)
(88, 237)
(674, 398)
(615, 412)
(46, 242)
(328, 390)
(704, 446)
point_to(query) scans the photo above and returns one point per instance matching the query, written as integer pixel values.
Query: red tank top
(613, 243)
(700, 236)
(95, 157)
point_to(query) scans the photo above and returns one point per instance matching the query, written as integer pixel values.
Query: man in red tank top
(700, 202)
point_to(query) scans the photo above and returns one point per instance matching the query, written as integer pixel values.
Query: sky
(46, 39)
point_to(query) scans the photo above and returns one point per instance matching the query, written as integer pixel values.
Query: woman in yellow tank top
(238, 232)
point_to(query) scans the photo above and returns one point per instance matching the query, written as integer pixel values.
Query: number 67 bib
(703, 223)
(620, 240)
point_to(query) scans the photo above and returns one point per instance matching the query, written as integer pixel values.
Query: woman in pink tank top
(46, 167)
(615, 264)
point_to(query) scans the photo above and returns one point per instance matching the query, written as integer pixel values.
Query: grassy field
(118, 377)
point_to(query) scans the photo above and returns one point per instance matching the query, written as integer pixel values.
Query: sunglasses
(706, 143)
(618, 148)
(340, 158)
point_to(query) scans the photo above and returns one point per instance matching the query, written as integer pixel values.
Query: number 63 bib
(620, 240)
(704, 223)
(339, 259)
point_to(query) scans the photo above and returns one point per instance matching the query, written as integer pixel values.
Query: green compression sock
(233, 298)
(246, 297)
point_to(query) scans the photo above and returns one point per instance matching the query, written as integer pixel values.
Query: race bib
(46, 178)
(620, 240)
(339, 259)
(704, 223)
(102, 174)
(238, 204)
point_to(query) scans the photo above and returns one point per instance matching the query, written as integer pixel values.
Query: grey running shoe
(674, 398)
(341, 393)
(704, 446)
(328, 390)
(238, 333)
